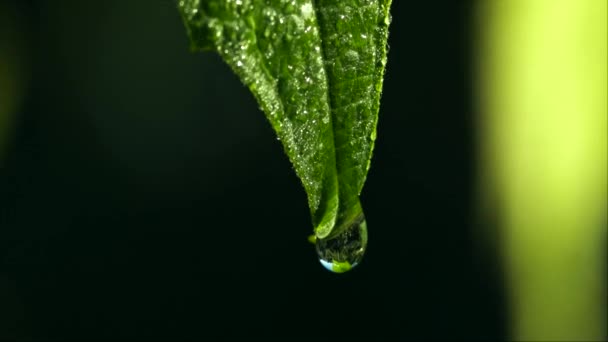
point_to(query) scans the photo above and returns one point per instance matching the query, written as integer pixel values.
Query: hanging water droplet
(344, 251)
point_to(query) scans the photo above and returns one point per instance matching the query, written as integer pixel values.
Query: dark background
(143, 195)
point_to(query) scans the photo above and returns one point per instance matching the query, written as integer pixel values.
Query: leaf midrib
(330, 103)
(330, 106)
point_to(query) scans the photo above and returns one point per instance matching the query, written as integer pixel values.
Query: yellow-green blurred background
(543, 98)
(144, 196)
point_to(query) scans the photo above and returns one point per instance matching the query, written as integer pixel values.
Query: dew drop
(307, 10)
(344, 251)
(387, 20)
(351, 56)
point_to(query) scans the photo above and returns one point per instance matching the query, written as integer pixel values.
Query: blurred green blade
(316, 69)
(543, 76)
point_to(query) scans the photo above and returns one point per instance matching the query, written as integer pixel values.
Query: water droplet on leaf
(307, 10)
(344, 251)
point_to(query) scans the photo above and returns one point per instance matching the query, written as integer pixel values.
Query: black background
(143, 195)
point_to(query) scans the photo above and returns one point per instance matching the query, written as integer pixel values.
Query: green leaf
(316, 70)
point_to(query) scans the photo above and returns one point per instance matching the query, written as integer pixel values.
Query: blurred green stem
(543, 77)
